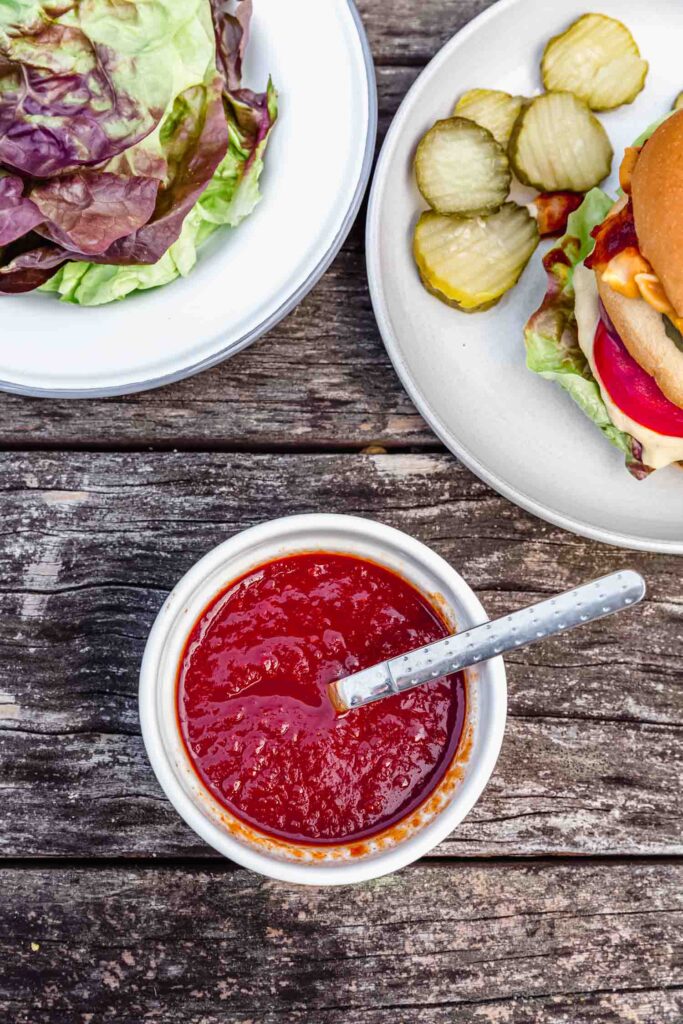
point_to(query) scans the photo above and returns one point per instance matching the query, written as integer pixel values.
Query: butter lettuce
(551, 334)
(125, 140)
(231, 195)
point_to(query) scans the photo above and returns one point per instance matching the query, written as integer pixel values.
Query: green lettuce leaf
(551, 335)
(231, 195)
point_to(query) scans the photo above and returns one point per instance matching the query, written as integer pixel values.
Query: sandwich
(610, 329)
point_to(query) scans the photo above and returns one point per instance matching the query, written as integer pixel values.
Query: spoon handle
(558, 614)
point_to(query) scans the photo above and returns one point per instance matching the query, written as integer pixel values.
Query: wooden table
(558, 900)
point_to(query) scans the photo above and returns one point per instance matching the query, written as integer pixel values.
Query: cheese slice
(659, 450)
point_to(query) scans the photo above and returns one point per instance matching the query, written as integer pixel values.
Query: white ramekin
(338, 865)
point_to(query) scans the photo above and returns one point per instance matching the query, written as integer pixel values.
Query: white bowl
(466, 777)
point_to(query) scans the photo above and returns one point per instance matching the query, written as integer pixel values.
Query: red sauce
(255, 714)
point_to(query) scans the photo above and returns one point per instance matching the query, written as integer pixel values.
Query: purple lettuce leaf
(254, 113)
(59, 107)
(75, 188)
(28, 265)
(232, 36)
(89, 211)
(18, 215)
(194, 140)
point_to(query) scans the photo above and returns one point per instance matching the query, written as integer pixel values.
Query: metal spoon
(559, 614)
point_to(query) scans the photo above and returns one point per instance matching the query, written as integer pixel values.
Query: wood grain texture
(403, 32)
(451, 944)
(592, 758)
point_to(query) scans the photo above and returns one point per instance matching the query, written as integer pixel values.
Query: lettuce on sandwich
(609, 328)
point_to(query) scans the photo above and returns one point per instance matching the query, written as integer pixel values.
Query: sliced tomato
(631, 389)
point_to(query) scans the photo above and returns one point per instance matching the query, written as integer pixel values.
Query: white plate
(467, 374)
(317, 168)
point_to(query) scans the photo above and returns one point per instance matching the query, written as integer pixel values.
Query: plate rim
(380, 308)
(289, 304)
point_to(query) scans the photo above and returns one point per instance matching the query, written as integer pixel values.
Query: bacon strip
(553, 210)
(614, 235)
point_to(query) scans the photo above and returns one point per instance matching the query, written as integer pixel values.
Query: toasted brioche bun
(657, 192)
(642, 330)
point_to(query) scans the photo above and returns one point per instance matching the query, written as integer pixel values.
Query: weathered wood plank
(404, 32)
(592, 760)
(321, 379)
(560, 788)
(461, 944)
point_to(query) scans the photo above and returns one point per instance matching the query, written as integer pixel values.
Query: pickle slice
(461, 168)
(492, 109)
(678, 102)
(471, 262)
(598, 60)
(558, 145)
